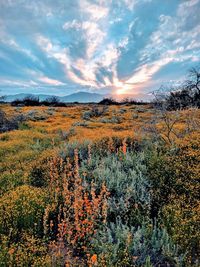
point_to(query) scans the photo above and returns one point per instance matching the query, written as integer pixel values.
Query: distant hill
(10, 98)
(81, 97)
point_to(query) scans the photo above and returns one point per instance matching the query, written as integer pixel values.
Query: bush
(67, 150)
(120, 245)
(77, 208)
(35, 115)
(185, 96)
(180, 214)
(38, 176)
(114, 119)
(9, 124)
(108, 101)
(135, 116)
(24, 126)
(53, 100)
(127, 185)
(80, 123)
(27, 101)
(22, 210)
(34, 101)
(29, 251)
(65, 135)
(131, 101)
(94, 112)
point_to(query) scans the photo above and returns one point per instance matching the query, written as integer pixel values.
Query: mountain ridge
(81, 97)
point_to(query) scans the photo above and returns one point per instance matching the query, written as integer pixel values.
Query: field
(96, 185)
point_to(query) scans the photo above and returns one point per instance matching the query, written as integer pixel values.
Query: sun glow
(120, 91)
(123, 88)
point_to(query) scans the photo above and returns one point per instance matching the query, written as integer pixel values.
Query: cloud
(49, 81)
(94, 36)
(130, 4)
(74, 24)
(95, 11)
(145, 73)
(166, 46)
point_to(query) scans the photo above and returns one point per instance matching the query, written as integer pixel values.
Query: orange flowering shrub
(78, 207)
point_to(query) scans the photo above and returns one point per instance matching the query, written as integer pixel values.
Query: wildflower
(11, 251)
(124, 147)
(94, 259)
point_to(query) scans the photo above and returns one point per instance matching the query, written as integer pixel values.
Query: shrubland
(100, 186)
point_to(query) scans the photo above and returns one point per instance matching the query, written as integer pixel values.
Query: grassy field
(91, 185)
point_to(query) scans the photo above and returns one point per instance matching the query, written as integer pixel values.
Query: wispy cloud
(128, 46)
(49, 81)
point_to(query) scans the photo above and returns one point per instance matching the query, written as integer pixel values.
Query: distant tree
(53, 100)
(17, 102)
(193, 83)
(27, 101)
(108, 101)
(2, 98)
(185, 96)
(132, 101)
(31, 101)
(128, 101)
(179, 99)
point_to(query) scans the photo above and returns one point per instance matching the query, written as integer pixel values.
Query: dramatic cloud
(122, 46)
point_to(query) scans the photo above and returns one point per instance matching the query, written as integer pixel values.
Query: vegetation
(7, 124)
(99, 185)
(186, 95)
(35, 101)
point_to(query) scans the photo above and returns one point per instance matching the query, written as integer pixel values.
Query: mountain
(146, 97)
(10, 98)
(81, 97)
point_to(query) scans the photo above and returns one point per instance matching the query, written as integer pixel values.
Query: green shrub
(9, 181)
(35, 115)
(41, 144)
(120, 245)
(94, 112)
(125, 179)
(113, 245)
(80, 123)
(114, 119)
(38, 176)
(135, 116)
(24, 126)
(65, 135)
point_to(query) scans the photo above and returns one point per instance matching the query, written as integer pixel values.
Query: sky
(104, 46)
